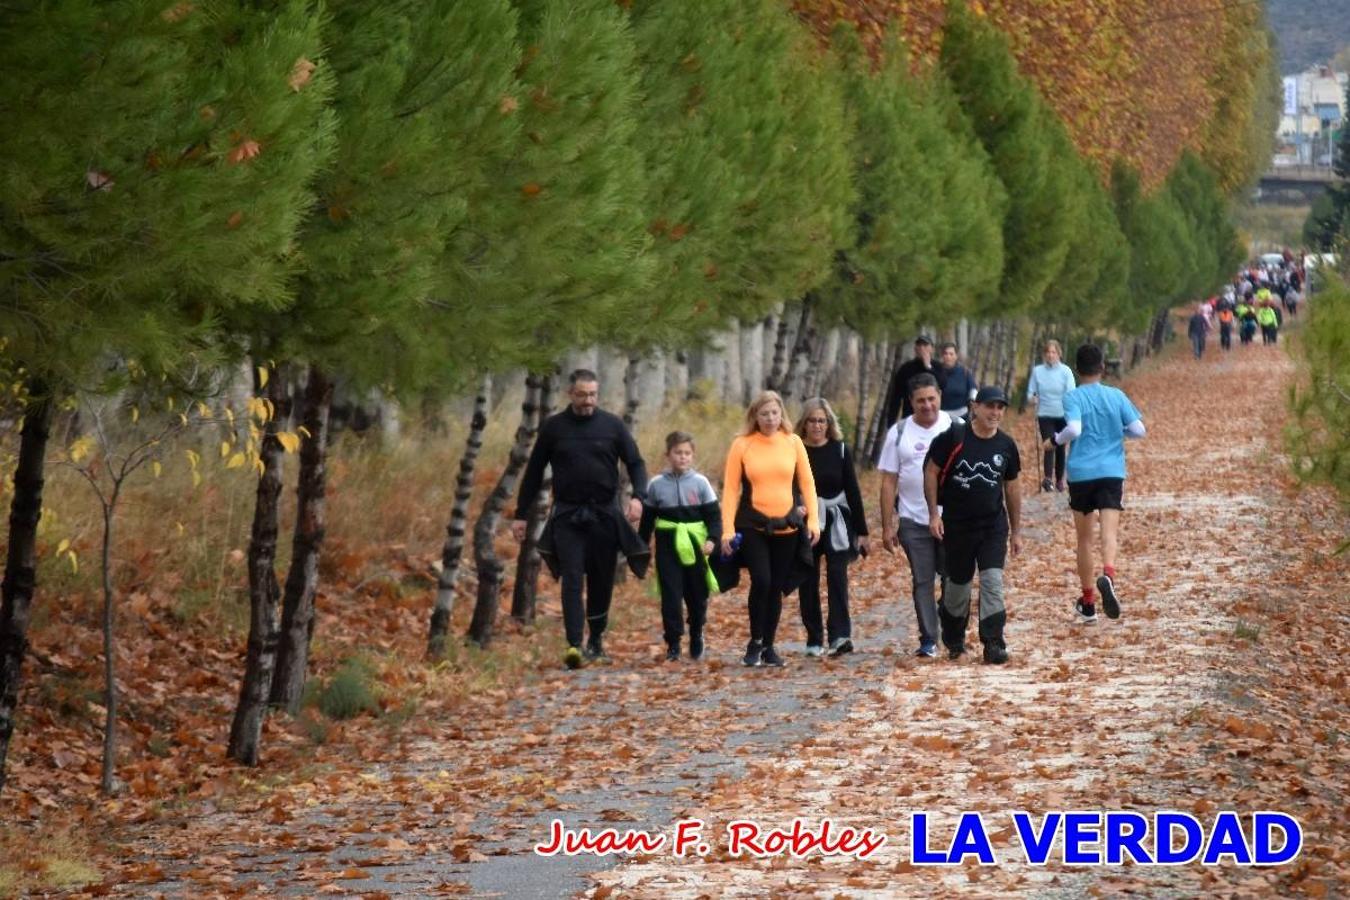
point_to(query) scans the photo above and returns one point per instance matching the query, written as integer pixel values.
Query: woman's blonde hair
(832, 429)
(763, 400)
(1053, 343)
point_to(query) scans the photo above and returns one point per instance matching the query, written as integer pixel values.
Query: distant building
(1314, 109)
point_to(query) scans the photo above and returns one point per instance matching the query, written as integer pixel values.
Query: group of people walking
(791, 507)
(1258, 298)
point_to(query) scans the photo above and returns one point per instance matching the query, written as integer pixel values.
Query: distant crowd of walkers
(791, 507)
(1259, 298)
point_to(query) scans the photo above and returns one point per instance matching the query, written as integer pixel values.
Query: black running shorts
(1099, 493)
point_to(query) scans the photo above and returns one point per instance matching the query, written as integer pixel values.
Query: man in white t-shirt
(901, 465)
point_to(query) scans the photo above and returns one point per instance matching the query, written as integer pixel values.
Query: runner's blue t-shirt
(1099, 452)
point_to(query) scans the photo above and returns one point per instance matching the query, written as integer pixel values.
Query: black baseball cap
(923, 339)
(991, 394)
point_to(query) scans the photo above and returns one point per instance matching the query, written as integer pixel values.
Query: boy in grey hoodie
(682, 508)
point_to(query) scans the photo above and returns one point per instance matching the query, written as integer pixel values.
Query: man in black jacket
(586, 527)
(897, 392)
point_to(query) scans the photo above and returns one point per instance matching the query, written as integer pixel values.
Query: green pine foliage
(553, 254)
(156, 162)
(1217, 251)
(1017, 129)
(974, 203)
(897, 212)
(418, 104)
(749, 183)
(1090, 286)
(1154, 229)
(1318, 438)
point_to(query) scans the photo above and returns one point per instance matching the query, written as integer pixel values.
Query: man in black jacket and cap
(586, 527)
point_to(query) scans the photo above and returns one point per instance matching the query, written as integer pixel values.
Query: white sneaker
(815, 650)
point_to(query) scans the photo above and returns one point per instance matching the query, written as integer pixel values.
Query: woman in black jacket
(843, 529)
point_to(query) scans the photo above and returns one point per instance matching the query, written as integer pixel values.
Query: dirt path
(1136, 714)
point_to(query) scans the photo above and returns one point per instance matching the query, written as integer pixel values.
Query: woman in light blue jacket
(1050, 381)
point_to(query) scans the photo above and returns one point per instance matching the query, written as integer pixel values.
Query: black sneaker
(770, 657)
(1087, 612)
(995, 655)
(695, 646)
(841, 645)
(956, 652)
(595, 651)
(753, 651)
(672, 653)
(1110, 604)
(1047, 485)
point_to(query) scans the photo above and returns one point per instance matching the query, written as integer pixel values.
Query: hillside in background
(1309, 31)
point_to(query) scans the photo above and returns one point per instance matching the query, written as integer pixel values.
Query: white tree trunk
(652, 383)
(677, 376)
(752, 361)
(611, 365)
(732, 378)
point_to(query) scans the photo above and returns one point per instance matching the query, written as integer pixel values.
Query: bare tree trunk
(1010, 358)
(20, 580)
(452, 551)
(311, 519)
(632, 402)
(877, 428)
(752, 360)
(263, 590)
(802, 346)
(732, 391)
(525, 593)
(865, 354)
(774, 380)
(677, 375)
(489, 566)
(651, 385)
(109, 654)
(816, 363)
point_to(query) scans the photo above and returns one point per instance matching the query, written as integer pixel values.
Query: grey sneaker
(815, 650)
(841, 645)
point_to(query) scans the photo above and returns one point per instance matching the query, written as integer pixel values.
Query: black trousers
(1053, 463)
(589, 554)
(682, 587)
(768, 559)
(838, 624)
(1226, 335)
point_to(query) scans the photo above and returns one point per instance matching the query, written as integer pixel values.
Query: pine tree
(899, 208)
(418, 104)
(561, 244)
(1014, 125)
(156, 163)
(745, 134)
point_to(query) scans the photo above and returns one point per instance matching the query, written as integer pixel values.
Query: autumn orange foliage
(1132, 79)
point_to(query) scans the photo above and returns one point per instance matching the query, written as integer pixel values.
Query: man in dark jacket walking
(586, 528)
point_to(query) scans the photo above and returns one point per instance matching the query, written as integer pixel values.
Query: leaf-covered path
(1223, 686)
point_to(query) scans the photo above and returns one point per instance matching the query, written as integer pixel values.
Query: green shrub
(350, 691)
(1319, 434)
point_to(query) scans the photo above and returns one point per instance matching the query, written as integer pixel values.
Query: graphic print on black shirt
(974, 486)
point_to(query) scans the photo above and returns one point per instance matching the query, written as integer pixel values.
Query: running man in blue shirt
(1099, 418)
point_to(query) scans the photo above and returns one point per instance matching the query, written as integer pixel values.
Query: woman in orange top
(762, 464)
